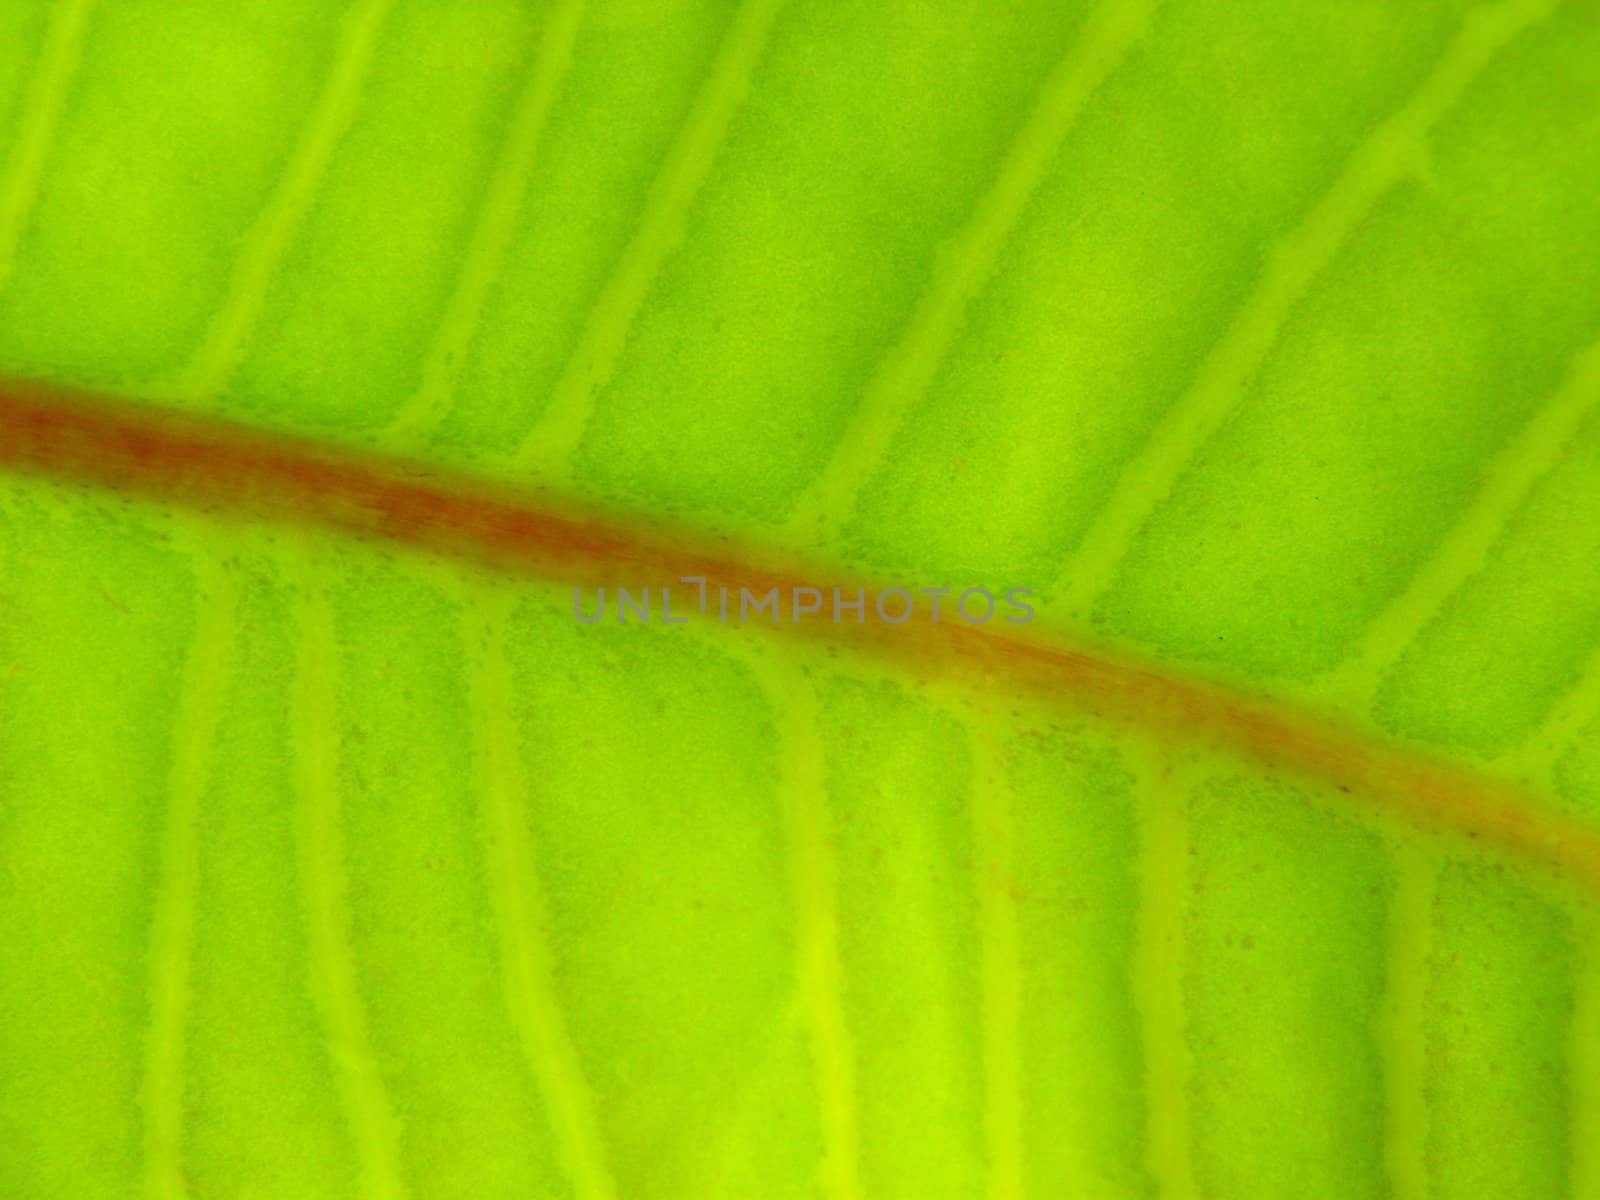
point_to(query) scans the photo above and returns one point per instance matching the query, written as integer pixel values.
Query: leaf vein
(959, 275)
(1465, 549)
(533, 1002)
(1219, 383)
(172, 927)
(491, 237)
(1000, 954)
(803, 796)
(286, 207)
(549, 446)
(1568, 719)
(321, 856)
(215, 466)
(41, 115)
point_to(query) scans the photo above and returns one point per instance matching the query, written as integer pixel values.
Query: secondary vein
(1375, 166)
(172, 936)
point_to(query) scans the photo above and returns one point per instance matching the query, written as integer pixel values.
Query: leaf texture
(1257, 339)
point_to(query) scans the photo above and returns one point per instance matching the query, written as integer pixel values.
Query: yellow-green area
(1262, 337)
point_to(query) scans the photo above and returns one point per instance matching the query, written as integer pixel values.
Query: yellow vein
(291, 198)
(321, 864)
(495, 226)
(532, 1001)
(1375, 167)
(1000, 951)
(961, 272)
(1568, 719)
(1465, 549)
(549, 446)
(41, 113)
(1583, 1066)
(171, 943)
(1158, 971)
(1401, 1036)
(803, 794)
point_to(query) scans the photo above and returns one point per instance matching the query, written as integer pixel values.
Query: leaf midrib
(208, 463)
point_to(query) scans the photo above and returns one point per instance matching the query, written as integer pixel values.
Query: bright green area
(899, 791)
(1142, 242)
(258, 1080)
(420, 932)
(22, 29)
(391, 215)
(1077, 894)
(1285, 975)
(1465, 682)
(835, 183)
(1441, 328)
(98, 611)
(622, 101)
(326, 872)
(171, 133)
(664, 876)
(1500, 987)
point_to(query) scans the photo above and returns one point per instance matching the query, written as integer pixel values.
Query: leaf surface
(1259, 340)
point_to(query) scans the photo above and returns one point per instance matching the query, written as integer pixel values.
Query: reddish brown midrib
(214, 465)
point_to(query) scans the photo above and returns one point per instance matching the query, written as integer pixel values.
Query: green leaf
(1260, 341)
